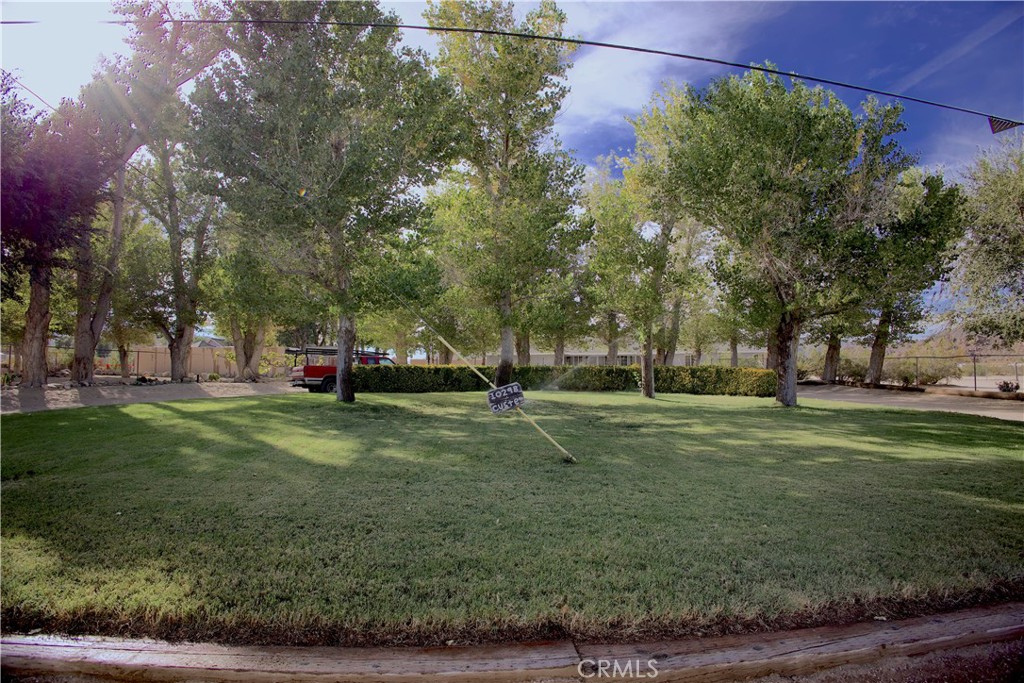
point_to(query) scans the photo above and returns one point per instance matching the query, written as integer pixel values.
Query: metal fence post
(974, 359)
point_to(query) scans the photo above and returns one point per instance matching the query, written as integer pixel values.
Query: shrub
(59, 359)
(213, 377)
(600, 378)
(810, 363)
(706, 379)
(907, 371)
(852, 370)
(1008, 386)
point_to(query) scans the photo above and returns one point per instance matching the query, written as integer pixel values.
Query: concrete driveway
(986, 407)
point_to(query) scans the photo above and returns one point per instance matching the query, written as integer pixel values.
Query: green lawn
(422, 518)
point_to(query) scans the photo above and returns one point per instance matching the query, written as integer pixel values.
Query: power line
(29, 90)
(997, 123)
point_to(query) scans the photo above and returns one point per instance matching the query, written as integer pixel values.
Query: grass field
(423, 519)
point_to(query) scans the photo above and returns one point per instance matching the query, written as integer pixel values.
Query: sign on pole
(506, 398)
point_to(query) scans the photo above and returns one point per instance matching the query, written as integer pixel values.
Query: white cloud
(955, 143)
(960, 49)
(607, 84)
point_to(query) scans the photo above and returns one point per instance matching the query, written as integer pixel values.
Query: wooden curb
(726, 658)
(731, 658)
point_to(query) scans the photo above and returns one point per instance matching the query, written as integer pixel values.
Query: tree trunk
(503, 375)
(346, 344)
(771, 358)
(444, 355)
(180, 346)
(560, 351)
(734, 351)
(523, 348)
(37, 327)
(831, 369)
(92, 315)
(248, 350)
(878, 347)
(613, 339)
(401, 348)
(122, 356)
(85, 344)
(672, 340)
(647, 363)
(787, 339)
(697, 355)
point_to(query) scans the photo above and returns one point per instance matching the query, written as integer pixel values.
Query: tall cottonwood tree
(138, 288)
(658, 267)
(509, 92)
(909, 256)
(988, 279)
(55, 173)
(136, 102)
(245, 295)
(791, 178)
(171, 191)
(323, 131)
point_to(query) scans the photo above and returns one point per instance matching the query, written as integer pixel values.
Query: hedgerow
(707, 379)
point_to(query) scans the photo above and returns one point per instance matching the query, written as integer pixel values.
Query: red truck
(320, 371)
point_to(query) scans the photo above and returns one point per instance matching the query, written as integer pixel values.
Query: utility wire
(993, 120)
(997, 123)
(29, 90)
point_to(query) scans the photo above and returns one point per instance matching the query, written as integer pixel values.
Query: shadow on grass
(422, 519)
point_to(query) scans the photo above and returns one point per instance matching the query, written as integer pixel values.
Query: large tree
(55, 174)
(323, 131)
(509, 92)
(646, 246)
(989, 274)
(909, 255)
(511, 262)
(791, 178)
(396, 316)
(245, 295)
(136, 102)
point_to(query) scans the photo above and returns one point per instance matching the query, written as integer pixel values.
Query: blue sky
(968, 54)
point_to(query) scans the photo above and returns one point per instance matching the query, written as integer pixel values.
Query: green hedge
(705, 379)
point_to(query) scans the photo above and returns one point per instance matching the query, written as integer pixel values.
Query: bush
(810, 363)
(851, 370)
(600, 378)
(58, 360)
(907, 371)
(706, 379)
(213, 377)
(1008, 386)
(713, 379)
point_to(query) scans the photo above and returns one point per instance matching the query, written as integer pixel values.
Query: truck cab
(319, 370)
